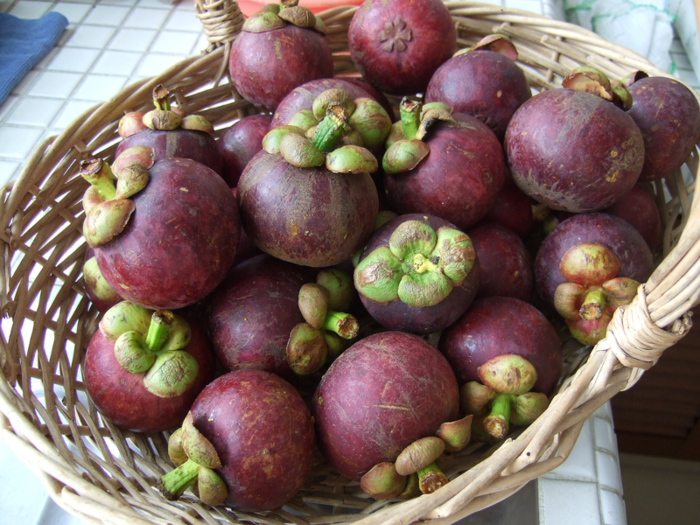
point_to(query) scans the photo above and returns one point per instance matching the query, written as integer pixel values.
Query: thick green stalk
(175, 483)
(158, 332)
(496, 423)
(345, 325)
(410, 117)
(330, 130)
(431, 478)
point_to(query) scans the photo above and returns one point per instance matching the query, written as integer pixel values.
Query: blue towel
(23, 43)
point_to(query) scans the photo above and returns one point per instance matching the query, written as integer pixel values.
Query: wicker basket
(104, 475)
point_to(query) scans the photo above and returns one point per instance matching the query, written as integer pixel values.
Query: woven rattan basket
(104, 475)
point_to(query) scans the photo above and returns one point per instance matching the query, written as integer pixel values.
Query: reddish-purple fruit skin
(186, 226)
(121, 397)
(513, 209)
(460, 178)
(668, 115)
(240, 143)
(183, 143)
(573, 151)
(398, 45)
(253, 312)
(619, 236)
(263, 434)
(379, 396)
(302, 97)
(482, 83)
(266, 66)
(639, 208)
(506, 265)
(503, 325)
(397, 315)
(307, 216)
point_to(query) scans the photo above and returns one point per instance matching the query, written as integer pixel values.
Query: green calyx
(301, 152)
(351, 159)
(276, 16)
(419, 267)
(303, 119)
(419, 458)
(165, 118)
(383, 482)
(589, 264)
(97, 283)
(339, 286)
(456, 434)
(621, 97)
(333, 97)
(508, 374)
(272, 140)
(404, 155)
(589, 80)
(307, 350)
(498, 43)
(371, 121)
(152, 343)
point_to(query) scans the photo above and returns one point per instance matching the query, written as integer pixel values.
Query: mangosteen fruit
(247, 443)
(639, 208)
(143, 369)
(418, 274)
(171, 133)
(484, 82)
(164, 232)
(397, 46)
(239, 143)
(279, 48)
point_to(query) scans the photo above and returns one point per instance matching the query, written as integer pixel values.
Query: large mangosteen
(240, 143)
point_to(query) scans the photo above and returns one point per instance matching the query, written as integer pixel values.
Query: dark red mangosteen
(170, 133)
(143, 369)
(308, 197)
(639, 208)
(668, 115)
(279, 48)
(247, 443)
(240, 143)
(100, 293)
(573, 150)
(449, 166)
(164, 233)
(397, 45)
(389, 392)
(587, 267)
(506, 264)
(516, 211)
(417, 274)
(484, 82)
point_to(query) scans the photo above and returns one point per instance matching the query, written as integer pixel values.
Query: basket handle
(222, 21)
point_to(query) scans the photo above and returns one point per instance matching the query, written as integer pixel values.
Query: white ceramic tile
(73, 12)
(22, 495)
(183, 21)
(26, 83)
(155, 63)
(98, 88)
(117, 63)
(55, 84)
(157, 4)
(119, 2)
(201, 45)
(580, 465)
(70, 112)
(8, 171)
(568, 502)
(612, 508)
(146, 18)
(107, 15)
(608, 467)
(604, 411)
(176, 42)
(95, 37)
(73, 59)
(605, 435)
(185, 5)
(6, 106)
(17, 142)
(133, 39)
(30, 10)
(34, 111)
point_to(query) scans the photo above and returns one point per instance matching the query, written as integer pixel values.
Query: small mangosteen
(482, 81)
(143, 369)
(587, 267)
(164, 233)
(573, 150)
(449, 166)
(668, 115)
(240, 143)
(170, 133)
(279, 48)
(417, 274)
(639, 208)
(516, 211)
(308, 197)
(397, 45)
(390, 397)
(248, 443)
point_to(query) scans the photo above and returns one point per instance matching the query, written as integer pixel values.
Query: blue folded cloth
(23, 43)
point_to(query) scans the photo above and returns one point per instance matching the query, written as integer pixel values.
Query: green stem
(431, 478)
(100, 177)
(158, 331)
(410, 117)
(593, 305)
(496, 423)
(331, 129)
(345, 325)
(161, 98)
(175, 483)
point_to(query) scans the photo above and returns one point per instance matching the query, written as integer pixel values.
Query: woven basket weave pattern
(104, 475)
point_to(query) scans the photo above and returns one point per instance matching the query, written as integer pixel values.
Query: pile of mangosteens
(381, 282)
